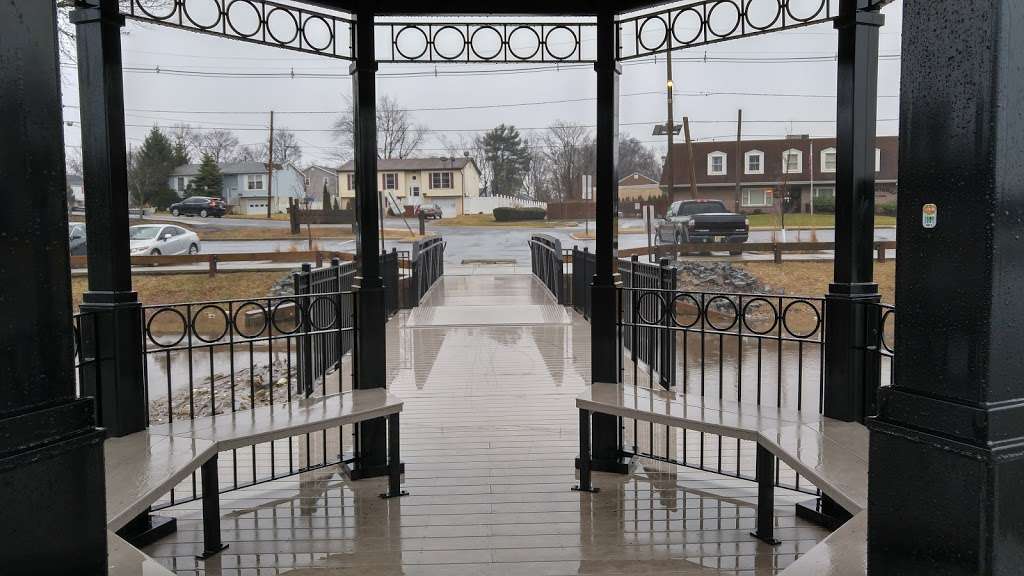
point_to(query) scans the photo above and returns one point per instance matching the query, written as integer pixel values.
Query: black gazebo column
(51, 454)
(946, 465)
(371, 313)
(118, 383)
(850, 382)
(605, 354)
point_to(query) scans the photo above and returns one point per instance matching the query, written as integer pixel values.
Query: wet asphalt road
(489, 244)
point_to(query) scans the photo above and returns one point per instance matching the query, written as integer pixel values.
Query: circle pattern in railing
(260, 21)
(715, 20)
(792, 311)
(487, 42)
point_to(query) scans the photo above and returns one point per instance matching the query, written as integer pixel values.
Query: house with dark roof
(409, 182)
(772, 170)
(246, 184)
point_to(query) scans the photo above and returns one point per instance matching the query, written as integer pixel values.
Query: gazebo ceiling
(475, 7)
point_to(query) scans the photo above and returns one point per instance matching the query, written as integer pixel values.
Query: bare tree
(569, 150)
(473, 147)
(222, 145)
(397, 135)
(537, 183)
(286, 149)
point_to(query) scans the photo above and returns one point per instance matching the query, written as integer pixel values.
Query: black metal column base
(148, 528)
(582, 488)
(620, 465)
(207, 554)
(767, 540)
(355, 473)
(820, 512)
(389, 495)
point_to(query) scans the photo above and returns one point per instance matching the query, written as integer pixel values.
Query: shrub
(518, 214)
(825, 205)
(163, 198)
(886, 209)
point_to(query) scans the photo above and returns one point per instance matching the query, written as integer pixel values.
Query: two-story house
(321, 186)
(414, 181)
(245, 185)
(772, 170)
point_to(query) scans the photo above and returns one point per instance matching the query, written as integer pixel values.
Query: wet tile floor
(488, 438)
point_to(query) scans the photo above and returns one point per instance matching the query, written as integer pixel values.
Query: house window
(758, 197)
(440, 180)
(878, 160)
(828, 160)
(350, 182)
(716, 163)
(389, 181)
(755, 162)
(181, 183)
(792, 161)
(254, 181)
(305, 181)
(824, 192)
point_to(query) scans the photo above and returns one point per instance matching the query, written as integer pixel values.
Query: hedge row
(518, 214)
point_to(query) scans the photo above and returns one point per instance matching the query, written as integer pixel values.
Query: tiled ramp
(489, 434)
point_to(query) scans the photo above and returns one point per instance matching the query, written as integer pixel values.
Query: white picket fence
(487, 204)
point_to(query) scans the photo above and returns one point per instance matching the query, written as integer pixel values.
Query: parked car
(199, 206)
(162, 239)
(430, 211)
(702, 221)
(76, 238)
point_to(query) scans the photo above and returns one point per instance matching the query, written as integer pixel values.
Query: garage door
(449, 206)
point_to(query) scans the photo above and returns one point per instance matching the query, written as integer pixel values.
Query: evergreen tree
(209, 181)
(508, 158)
(149, 171)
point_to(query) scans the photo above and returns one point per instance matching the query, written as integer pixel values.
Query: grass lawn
(173, 288)
(819, 220)
(813, 278)
(488, 220)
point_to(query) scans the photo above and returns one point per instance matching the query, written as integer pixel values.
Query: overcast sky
(763, 65)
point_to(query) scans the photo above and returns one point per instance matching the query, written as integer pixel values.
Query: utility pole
(739, 160)
(270, 169)
(689, 150)
(670, 124)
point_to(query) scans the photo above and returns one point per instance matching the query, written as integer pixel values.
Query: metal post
(605, 354)
(585, 463)
(370, 358)
(110, 296)
(304, 285)
(848, 382)
(945, 460)
(395, 468)
(51, 454)
(765, 470)
(211, 509)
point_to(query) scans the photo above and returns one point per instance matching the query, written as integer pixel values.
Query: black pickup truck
(702, 221)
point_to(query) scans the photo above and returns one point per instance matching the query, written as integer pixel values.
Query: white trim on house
(718, 155)
(762, 197)
(825, 168)
(878, 159)
(760, 162)
(799, 161)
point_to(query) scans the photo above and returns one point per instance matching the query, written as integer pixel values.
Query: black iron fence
(754, 348)
(546, 259)
(427, 264)
(219, 357)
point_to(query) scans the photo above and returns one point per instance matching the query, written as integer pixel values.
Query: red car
(430, 211)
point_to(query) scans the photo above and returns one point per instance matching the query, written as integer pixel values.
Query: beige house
(638, 187)
(410, 182)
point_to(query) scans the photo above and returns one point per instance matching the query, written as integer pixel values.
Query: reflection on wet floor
(489, 437)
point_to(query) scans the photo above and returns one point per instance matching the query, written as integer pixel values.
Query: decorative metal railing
(219, 357)
(765, 349)
(709, 21)
(482, 41)
(548, 265)
(290, 26)
(427, 264)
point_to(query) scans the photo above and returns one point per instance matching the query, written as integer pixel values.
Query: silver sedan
(162, 239)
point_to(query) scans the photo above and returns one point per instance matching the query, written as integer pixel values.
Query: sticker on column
(929, 215)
